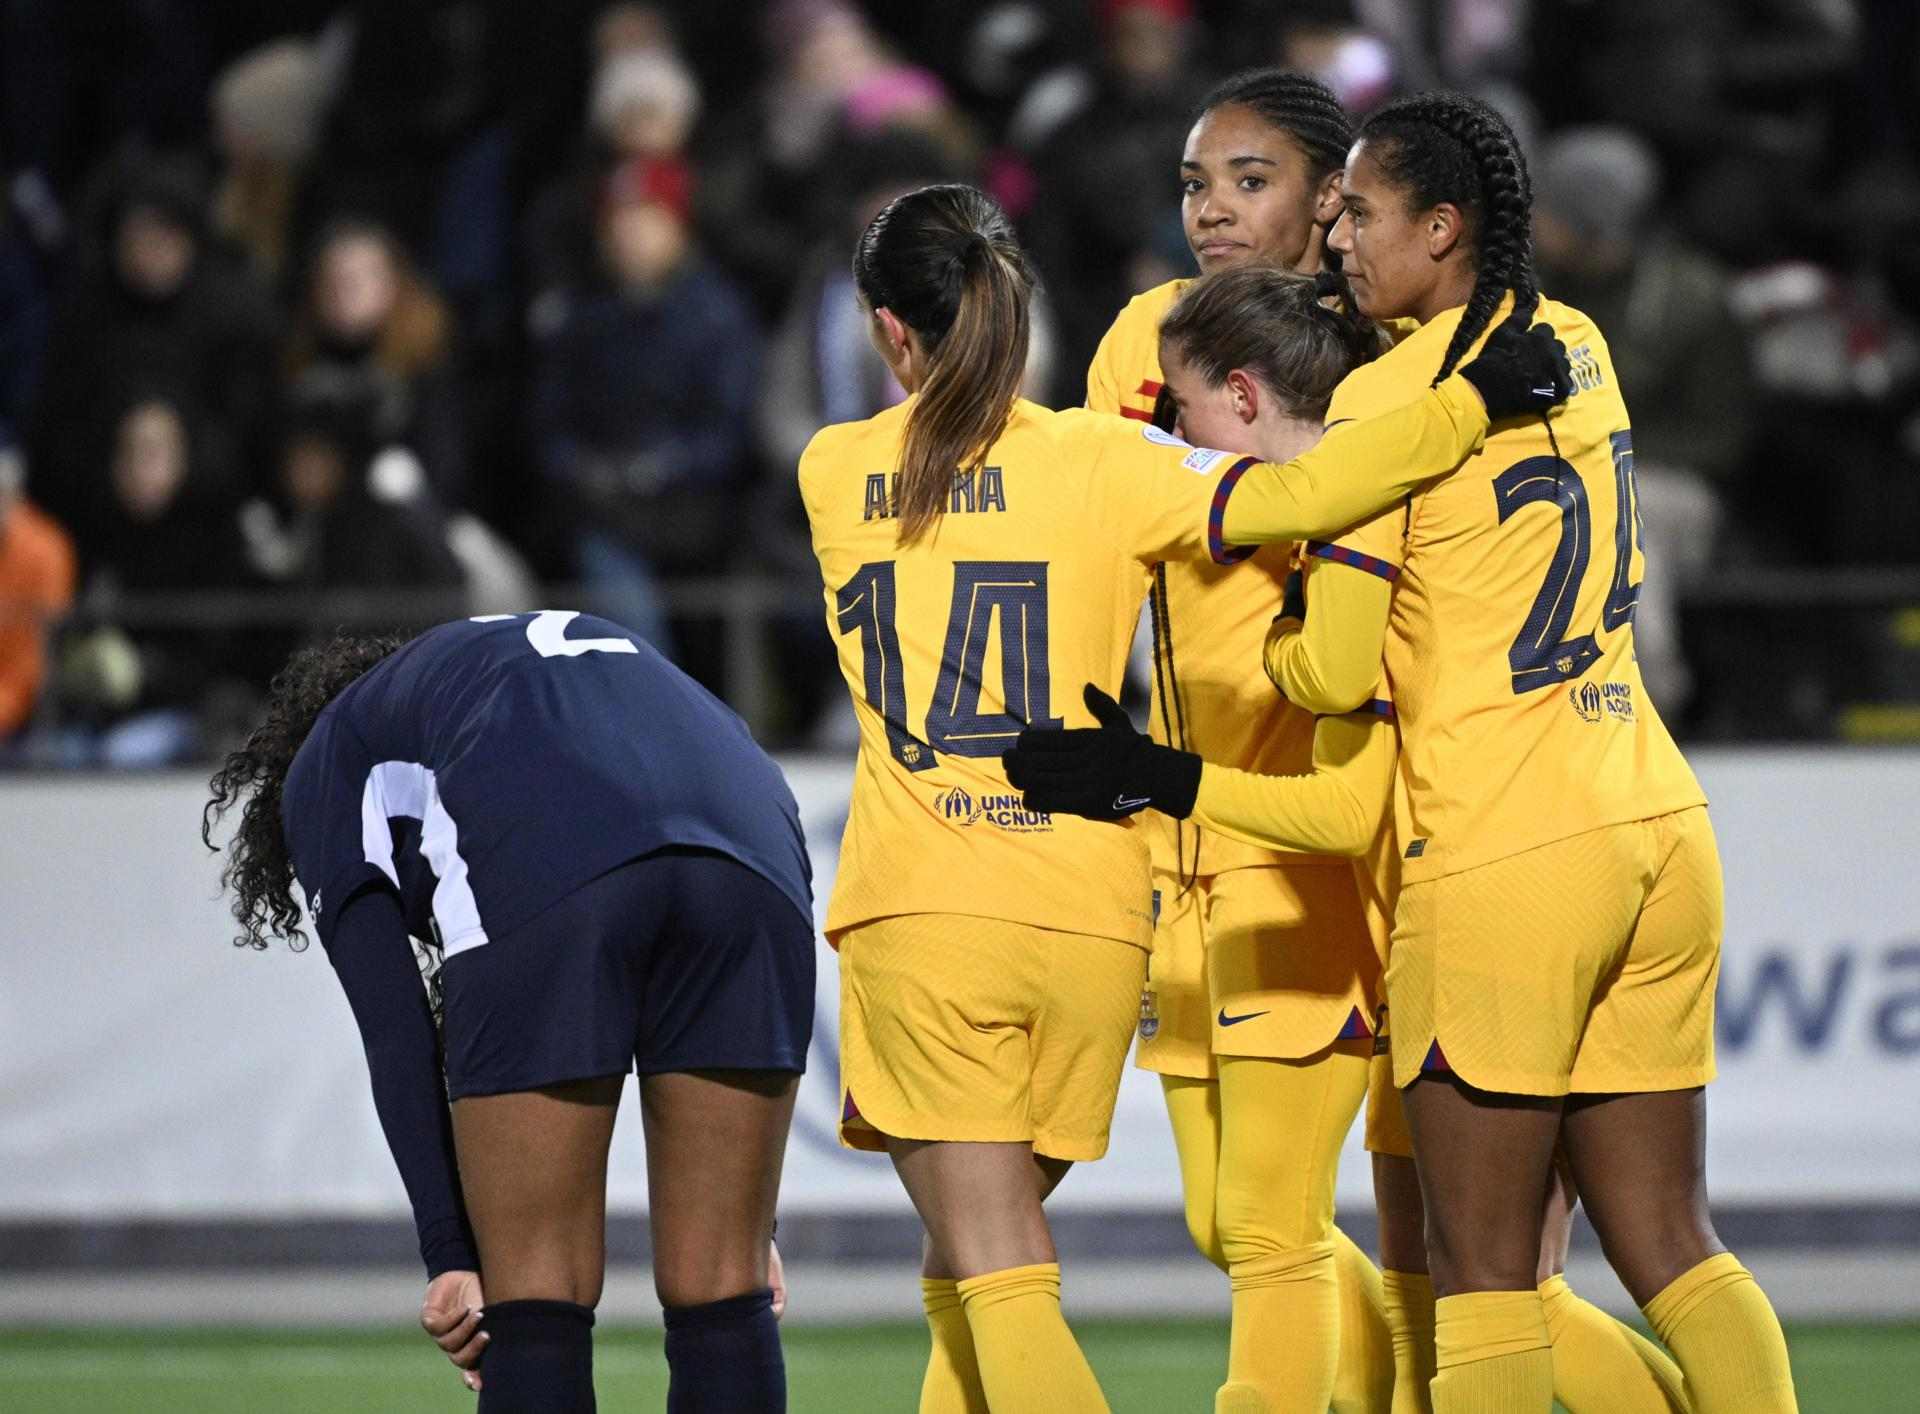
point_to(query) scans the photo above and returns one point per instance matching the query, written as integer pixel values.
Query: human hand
(1520, 371)
(777, 1279)
(1102, 773)
(451, 1316)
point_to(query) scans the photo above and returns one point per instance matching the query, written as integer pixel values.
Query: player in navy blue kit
(614, 877)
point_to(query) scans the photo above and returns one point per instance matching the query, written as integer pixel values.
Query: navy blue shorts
(683, 959)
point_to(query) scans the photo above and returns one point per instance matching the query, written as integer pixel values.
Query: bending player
(1260, 180)
(991, 958)
(615, 875)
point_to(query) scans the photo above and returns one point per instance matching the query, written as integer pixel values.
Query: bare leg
(715, 1144)
(715, 1141)
(533, 1169)
(980, 1205)
(1484, 1160)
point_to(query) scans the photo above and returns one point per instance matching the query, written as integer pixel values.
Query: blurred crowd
(453, 298)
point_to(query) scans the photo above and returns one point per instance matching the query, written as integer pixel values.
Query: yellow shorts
(973, 1029)
(1584, 966)
(1269, 962)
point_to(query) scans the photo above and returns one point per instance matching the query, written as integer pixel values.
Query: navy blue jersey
(492, 766)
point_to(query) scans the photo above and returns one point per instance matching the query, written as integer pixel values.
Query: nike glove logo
(1127, 804)
(1226, 1020)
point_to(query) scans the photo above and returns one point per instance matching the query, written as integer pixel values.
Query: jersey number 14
(1014, 591)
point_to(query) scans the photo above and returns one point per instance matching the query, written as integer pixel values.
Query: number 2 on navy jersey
(1542, 654)
(1015, 592)
(547, 632)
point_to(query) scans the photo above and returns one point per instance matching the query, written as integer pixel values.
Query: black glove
(1103, 773)
(1521, 371)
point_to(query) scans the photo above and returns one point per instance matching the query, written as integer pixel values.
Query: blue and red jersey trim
(1378, 707)
(1345, 555)
(1356, 1028)
(1223, 553)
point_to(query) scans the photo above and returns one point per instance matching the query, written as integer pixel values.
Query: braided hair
(1448, 147)
(1297, 104)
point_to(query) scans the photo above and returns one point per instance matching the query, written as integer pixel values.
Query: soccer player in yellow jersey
(1260, 183)
(975, 549)
(1557, 932)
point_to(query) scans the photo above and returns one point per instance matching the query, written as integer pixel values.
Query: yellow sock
(1409, 1297)
(1603, 1367)
(952, 1383)
(1721, 1329)
(1363, 1380)
(1029, 1361)
(1286, 1333)
(1491, 1354)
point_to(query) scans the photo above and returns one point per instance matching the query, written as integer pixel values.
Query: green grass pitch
(1147, 1368)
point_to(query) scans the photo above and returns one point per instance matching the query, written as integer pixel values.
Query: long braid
(1448, 147)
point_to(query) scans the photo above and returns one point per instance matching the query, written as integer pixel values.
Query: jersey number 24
(1542, 654)
(1014, 591)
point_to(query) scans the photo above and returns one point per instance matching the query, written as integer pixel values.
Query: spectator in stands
(132, 692)
(643, 106)
(266, 112)
(355, 513)
(152, 298)
(643, 399)
(765, 166)
(417, 140)
(1682, 361)
(367, 311)
(1110, 206)
(36, 584)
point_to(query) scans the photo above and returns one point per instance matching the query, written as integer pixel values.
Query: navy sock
(724, 1357)
(539, 1360)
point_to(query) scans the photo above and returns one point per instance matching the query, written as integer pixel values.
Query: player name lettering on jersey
(971, 495)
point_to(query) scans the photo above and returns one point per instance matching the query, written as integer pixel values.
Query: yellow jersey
(1209, 695)
(1029, 587)
(1523, 719)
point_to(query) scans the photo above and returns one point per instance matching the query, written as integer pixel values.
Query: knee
(697, 1280)
(1204, 1230)
(1656, 1249)
(1464, 1262)
(555, 1276)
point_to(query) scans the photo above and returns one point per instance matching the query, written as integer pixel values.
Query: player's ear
(1445, 228)
(1328, 200)
(1244, 389)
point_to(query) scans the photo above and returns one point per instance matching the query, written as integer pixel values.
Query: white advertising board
(148, 1069)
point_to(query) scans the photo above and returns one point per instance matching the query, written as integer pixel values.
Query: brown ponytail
(945, 261)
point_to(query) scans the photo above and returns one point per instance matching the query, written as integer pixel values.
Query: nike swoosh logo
(1124, 803)
(1545, 392)
(1226, 1020)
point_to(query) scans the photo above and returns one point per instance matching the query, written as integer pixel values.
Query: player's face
(1384, 248)
(1249, 194)
(1241, 415)
(1209, 416)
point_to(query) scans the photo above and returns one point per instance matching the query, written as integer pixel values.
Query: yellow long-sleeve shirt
(1509, 647)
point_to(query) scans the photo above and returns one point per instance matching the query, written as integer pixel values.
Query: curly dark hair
(1449, 147)
(257, 871)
